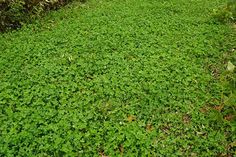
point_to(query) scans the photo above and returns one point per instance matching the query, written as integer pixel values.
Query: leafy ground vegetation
(119, 78)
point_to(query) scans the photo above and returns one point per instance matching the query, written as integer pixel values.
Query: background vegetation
(227, 13)
(15, 12)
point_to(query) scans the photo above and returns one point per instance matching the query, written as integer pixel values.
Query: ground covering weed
(116, 78)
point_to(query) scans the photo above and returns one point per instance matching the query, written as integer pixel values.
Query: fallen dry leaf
(165, 129)
(131, 118)
(204, 109)
(121, 149)
(219, 107)
(149, 127)
(186, 119)
(102, 154)
(229, 117)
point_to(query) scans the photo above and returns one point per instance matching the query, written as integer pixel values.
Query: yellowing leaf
(230, 67)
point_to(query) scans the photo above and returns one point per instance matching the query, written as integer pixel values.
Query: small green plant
(228, 81)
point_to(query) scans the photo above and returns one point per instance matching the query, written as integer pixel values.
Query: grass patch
(132, 78)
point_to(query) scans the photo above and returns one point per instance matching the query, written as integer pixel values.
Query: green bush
(15, 12)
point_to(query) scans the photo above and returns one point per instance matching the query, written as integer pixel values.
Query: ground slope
(114, 77)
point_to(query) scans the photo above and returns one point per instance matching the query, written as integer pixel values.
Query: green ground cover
(116, 78)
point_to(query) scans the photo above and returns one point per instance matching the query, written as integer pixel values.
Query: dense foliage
(227, 13)
(14, 12)
(119, 78)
